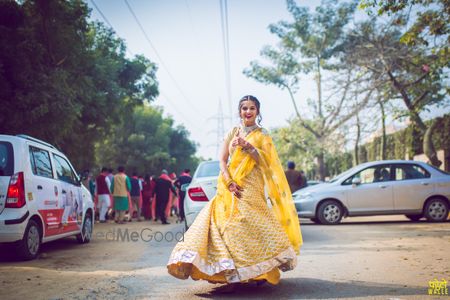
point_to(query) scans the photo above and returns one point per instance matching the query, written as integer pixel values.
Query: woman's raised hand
(238, 140)
(235, 189)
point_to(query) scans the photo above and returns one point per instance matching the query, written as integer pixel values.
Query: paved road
(375, 257)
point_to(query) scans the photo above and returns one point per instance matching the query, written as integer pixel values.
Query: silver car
(202, 189)
(387, 187)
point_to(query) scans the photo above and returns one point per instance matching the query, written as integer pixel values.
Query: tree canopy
(67, 80)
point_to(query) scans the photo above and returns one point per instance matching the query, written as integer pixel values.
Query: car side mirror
(356, 181)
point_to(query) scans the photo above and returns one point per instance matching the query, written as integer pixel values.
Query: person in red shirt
(147, 192)
(102, 191)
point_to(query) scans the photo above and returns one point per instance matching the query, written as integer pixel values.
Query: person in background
(135, 194)
(147, 192)
(293, 177)
(103, 194)
(163, 187)
(172, 206)
(304, 179)
(185, 177)
(120, 186)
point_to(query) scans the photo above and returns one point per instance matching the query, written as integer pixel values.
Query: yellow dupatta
(241, 164)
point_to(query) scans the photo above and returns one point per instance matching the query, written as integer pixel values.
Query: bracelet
(228, 182)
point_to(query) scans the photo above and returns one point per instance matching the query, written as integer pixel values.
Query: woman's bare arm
(223, 160)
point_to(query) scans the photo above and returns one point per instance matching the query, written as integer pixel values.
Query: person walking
(135, 194)
(163, 187)
(103, 194)
(147, 192)
(120, 187)
(236, 237)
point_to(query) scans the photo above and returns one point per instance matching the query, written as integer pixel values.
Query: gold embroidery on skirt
(249, 244)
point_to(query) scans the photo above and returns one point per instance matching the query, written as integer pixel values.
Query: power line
(157, 55)
(178, 111)
(226, 52)
(107, 22)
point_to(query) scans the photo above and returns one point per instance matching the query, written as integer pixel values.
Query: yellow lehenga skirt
(248, 244)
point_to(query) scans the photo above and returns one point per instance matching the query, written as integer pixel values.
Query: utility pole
(220, 130)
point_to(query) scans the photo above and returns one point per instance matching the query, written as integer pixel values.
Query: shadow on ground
(310, 288)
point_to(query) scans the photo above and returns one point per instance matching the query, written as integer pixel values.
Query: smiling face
(248, 112)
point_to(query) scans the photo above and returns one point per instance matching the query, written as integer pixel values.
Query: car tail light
(16, 191)
(197, 194)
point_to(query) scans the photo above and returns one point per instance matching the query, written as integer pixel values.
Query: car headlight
(303, 196)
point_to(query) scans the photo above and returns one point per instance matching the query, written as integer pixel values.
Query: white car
(41, 197)
(388, 187)
(202, 189)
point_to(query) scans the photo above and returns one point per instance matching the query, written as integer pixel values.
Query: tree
(312, 43)
(425, 22)
(411, 74)
(146, 142)
(63, 79)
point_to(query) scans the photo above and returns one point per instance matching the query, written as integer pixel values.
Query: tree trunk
(427, 132)
(358, 136)
(383, 133)
(428, 146)
(321, 165)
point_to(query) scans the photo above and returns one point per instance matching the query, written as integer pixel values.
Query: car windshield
(439, 170)
(208, 169)
(339, 176)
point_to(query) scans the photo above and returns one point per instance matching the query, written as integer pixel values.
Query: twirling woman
(240, 236)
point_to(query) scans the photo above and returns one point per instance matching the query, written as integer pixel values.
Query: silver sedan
(387, 187)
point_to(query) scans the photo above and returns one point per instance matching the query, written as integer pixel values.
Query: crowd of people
(124, 198)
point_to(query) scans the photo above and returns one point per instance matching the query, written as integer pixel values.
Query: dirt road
(376, 258)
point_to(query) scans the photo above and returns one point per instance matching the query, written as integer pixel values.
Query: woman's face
(248, 112)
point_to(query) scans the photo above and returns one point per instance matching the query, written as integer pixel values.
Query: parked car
(313, 182)
(202, 189)
(388, 187)
(41, 197)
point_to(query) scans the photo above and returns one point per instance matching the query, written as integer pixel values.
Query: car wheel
(436, 210)
(315, 220)
(86, 232)
(330, 212)
(28, 247)
(414, 217)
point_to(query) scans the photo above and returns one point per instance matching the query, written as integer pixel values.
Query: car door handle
(64, 191)
(39, 187)
(383, 186)
(425, 183)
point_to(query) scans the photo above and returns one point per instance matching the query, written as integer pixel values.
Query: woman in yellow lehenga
(239, 236)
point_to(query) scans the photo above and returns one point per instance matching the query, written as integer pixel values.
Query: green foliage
(408, 142)
(403, 144)
(430, 25)
(311, 43)
(146, 142)
(65, 80)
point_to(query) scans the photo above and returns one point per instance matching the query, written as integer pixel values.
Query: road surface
(373, 257)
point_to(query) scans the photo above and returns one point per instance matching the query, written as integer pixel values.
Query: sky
(184, 39)
(189, 53)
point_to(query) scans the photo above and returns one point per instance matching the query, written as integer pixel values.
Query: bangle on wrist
(228, 182)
